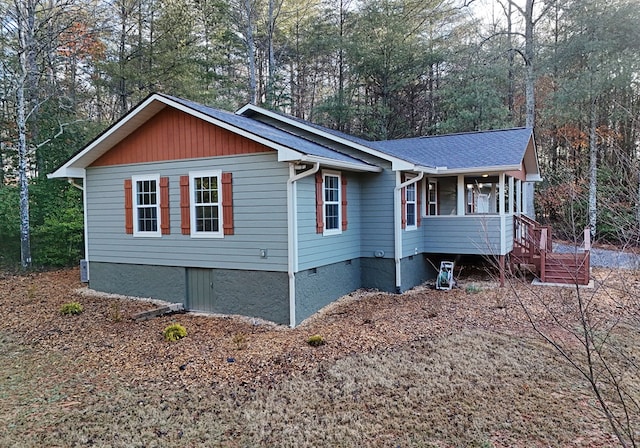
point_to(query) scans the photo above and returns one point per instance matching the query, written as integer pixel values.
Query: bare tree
(24, 20)
(590, 328)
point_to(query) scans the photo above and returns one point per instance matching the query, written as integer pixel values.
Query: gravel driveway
(604, 258)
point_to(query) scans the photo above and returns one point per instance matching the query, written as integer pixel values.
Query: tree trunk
(251, 52)
(530, 106)
(593, 170)
(122, 81)
(25, 24)
(271, 69)
(530, 79)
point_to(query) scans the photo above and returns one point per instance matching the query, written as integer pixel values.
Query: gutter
(397, 224)
(292, 233)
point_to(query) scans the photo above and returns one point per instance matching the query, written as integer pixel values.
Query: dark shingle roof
(335, 133)
(504, 147)
(268, 132)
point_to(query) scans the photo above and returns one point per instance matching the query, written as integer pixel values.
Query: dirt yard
(425, 368)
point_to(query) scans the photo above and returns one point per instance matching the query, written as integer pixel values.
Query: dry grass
(425, 369)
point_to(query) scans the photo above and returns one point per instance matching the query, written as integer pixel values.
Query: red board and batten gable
(173, 135)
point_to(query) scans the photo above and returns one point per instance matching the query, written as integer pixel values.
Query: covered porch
(472, 213)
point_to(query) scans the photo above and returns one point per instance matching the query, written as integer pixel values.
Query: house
(262, 214)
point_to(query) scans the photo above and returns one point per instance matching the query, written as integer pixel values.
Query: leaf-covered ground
(425, 368)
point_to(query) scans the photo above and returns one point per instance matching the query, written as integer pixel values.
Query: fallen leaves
(233, 349)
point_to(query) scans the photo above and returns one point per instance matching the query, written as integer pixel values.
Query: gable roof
(289, 146)
(283, 121)
(297, 140)
(486, 151)
(495, 150)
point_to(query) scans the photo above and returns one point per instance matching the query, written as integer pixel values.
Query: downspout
(292, 233)
(84, 214)
(397, 223)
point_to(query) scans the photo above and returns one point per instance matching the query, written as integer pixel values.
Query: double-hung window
(146, 205)
(332, 203)
(411, 205)
(206, 204)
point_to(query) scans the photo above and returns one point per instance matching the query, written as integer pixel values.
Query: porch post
(503, 207)
(462, 195)
(511, 195)
(518, 196)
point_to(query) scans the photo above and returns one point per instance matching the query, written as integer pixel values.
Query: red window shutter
(319, 204)
(128, 207)
(344, 203)
(165, 227)
(418, 203)
(185, 212)
(227, 203)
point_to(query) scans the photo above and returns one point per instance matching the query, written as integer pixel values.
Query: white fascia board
(478, 169)
(534, 178)
(351, 166)
(291, 155)
(402, 165)
(67, 173)
(425, 169)
(399, 164)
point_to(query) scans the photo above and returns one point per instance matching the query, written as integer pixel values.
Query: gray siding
(370, 218)
(478, 234)
(316, 288)
(260, 216)
(377, 214)
(315, 249)
(157, 282)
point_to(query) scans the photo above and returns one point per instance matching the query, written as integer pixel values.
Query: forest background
(378, 69)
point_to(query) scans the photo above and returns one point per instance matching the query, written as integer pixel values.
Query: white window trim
(134, 192)
(416, 192)
(338, 230)
(192, 204)
(427, 201)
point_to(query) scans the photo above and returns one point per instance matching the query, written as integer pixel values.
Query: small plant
(71, 308)
(316, 340)
(174, 332)
(116, 312)
(472, 289)
(240, 340)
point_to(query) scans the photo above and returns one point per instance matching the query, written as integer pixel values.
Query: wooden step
(566, 268)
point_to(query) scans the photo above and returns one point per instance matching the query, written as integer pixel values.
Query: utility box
(84, 271)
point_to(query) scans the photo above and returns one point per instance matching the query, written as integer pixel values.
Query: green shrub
(57, 235)
(174, 332)
(71, 308)
(472, 289)
(316, 340)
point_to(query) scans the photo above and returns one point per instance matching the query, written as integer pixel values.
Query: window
(482, 195)
(432, 198)
(206, 204)
(411, 205)
(146, 205)
(332, 203)
(410, 197)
